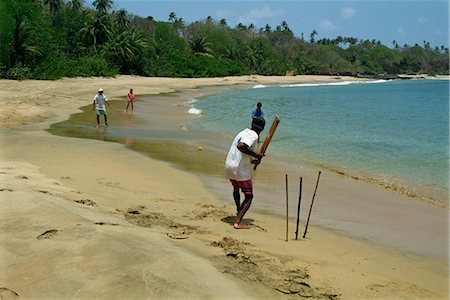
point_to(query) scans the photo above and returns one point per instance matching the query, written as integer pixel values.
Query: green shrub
(18, 72)
(86, 66)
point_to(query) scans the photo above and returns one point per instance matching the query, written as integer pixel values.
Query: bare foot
(240, 226)
(97, 126)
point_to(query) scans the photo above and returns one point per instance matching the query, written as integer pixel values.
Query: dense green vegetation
(50, 39)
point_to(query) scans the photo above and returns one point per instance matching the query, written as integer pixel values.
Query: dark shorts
(246, 186)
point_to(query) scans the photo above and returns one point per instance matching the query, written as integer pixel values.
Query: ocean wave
(259, 86)
(195, 111)
(439, 78)
(348, 82)
(193, 100)
(334, 83)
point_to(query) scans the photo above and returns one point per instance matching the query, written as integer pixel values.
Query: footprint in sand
(45, 192)
(106, 223)
(177, 236)
(49, 234)
(108, 183)
(208, 211)
(86, 202)
(6, 293)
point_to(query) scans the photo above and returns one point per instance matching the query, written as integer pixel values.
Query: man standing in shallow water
(99, 106)
(238, 167)
(257, 112)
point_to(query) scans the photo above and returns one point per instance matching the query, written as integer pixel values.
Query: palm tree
(241, 26)
(352, 41)
(102, 28)
(21, 46)
(98, 32)
(179, 23)
(121, 19)
(126, 47)
(312, 36)
(339, 40)
(254, 55)
(172, 17)
(54, 5)
(200, 46)
(76, 5)
(231, 52)
(103, 5)
(395, 44)
(285, 26)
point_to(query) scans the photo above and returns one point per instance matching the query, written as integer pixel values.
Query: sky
(405, 21)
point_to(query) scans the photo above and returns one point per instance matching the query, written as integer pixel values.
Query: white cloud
(326, 25)
(261, 13)
(348, 12)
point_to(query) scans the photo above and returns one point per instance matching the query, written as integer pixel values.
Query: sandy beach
(85, 219)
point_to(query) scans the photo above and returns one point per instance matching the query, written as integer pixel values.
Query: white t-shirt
(238, 165)
(100, 101)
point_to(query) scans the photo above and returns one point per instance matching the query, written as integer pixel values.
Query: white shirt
(100, 101)
(238, 165)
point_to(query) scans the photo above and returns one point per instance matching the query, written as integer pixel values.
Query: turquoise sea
(393, 131)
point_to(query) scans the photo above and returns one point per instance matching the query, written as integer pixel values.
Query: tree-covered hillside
(50, 39)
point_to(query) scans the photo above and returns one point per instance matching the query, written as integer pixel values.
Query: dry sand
(85, 219)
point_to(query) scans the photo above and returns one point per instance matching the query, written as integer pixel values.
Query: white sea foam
(376, 81)
(438, 78)
(191, 101)
(194, 111)
(259, 86)
(334, 83)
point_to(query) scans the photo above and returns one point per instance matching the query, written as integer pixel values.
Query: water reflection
(101, 133)
(129, 122)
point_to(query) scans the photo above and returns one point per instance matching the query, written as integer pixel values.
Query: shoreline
(422, 190)
(171, 202)
(419, 191)
(207, 164)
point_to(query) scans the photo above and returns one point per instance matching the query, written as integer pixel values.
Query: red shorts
(246, 186)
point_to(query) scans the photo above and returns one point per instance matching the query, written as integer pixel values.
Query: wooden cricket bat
(269, 136)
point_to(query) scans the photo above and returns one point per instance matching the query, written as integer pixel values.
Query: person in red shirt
(130, 98)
